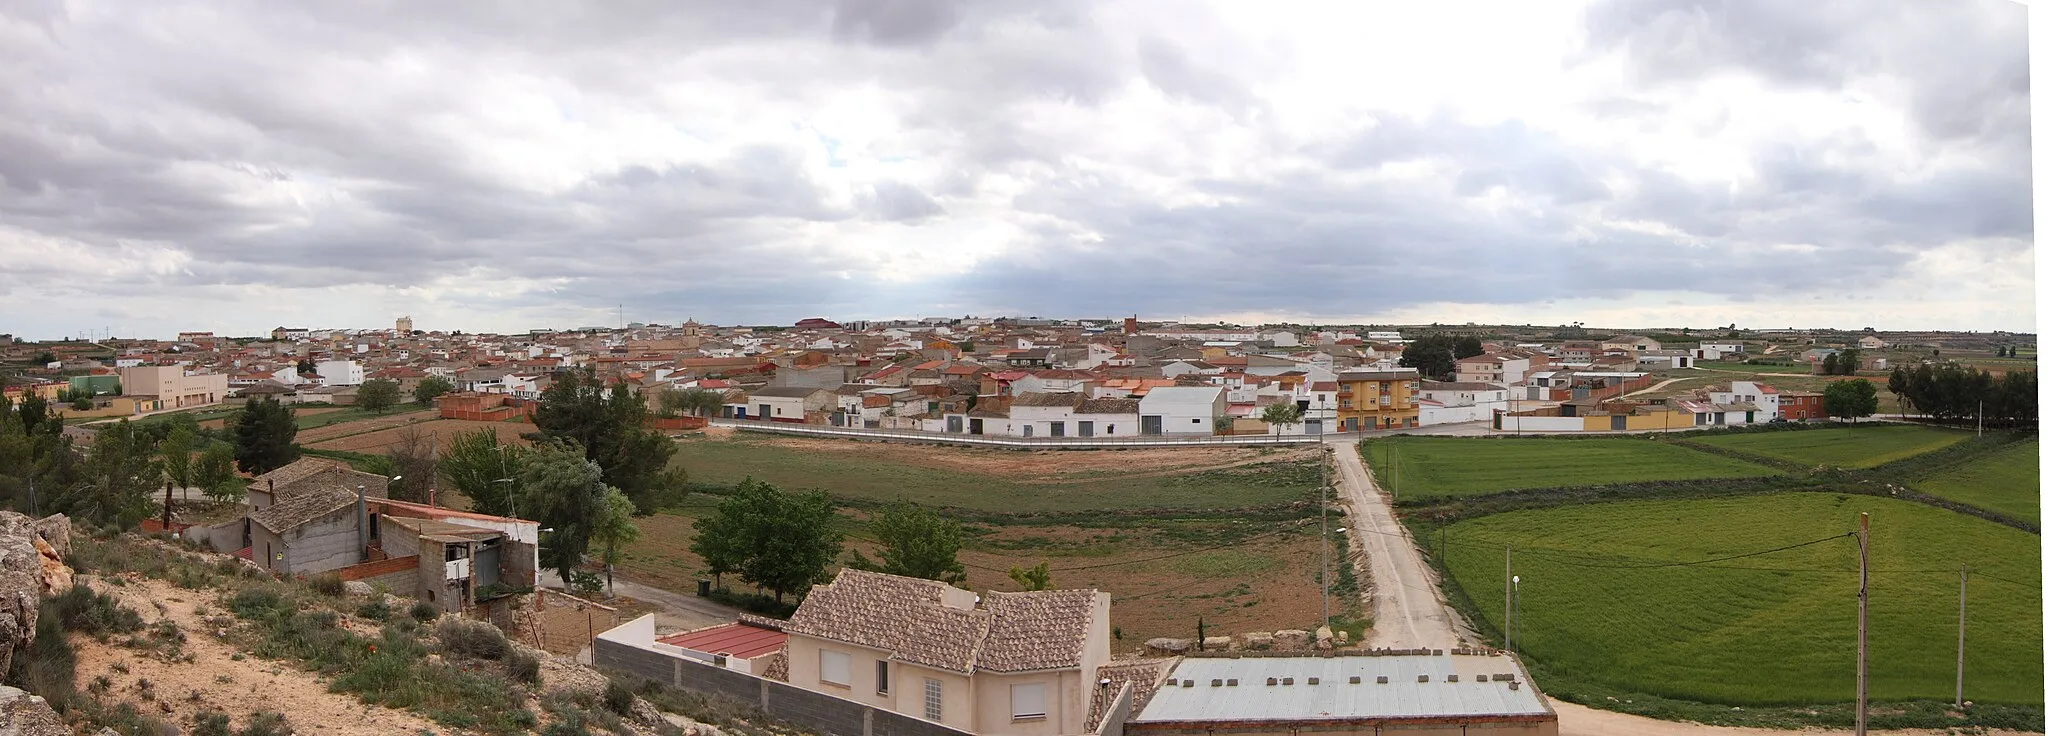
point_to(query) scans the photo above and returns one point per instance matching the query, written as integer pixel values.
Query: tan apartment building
(1371, 400)
(173, 386)
(993, 663)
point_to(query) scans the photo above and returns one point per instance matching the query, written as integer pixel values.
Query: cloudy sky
(234, 165)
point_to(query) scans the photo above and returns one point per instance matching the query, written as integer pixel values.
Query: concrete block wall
(325, 543)
(826, 714)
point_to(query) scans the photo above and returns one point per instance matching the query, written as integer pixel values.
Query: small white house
(1749, 392)
(339, 372)
(1181, 410)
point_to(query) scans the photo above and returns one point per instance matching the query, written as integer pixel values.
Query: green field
(1766, 630)
(353, 413)
(1847, 447)
(1451, 466)
(884, 475)
(2006, 480)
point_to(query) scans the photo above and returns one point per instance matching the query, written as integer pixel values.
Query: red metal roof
(734, 640)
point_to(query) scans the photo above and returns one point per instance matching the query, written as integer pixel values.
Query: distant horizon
(1707, 332)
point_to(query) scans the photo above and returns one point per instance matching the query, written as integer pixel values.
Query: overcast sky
(233, 166)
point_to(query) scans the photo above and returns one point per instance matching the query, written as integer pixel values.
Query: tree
(613, 530)
(214, 472)
(1467, 347)
(45, 358)
(264, 431)
(1036, 577)
(1432, 355)
(378, 394)
(915, 543)
(305, 365)
(700, 402)
(1897, 383)
(779, 541)
(1830, 365)
(562, 491)
(1848, 362)
(1281, 414)
(1849, 398)
(115, 480)
(174, 456)
(36, 459)
(475, 465)
(413, 461)
(610, 424)
(430, 388)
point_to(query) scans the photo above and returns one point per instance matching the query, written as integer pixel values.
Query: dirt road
(1408, 610)
(679, 611)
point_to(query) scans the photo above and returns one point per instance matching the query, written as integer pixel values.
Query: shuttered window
(1027, 701)
(835, 667)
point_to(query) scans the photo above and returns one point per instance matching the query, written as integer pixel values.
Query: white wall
(1184, 411)
(1543, 424)
(339, 372)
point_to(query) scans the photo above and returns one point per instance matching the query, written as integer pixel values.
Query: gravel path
(1408, 611)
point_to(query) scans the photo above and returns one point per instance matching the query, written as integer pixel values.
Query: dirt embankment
(217, 676)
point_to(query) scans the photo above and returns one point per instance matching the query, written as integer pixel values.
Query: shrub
(266, 724)
(260, 602)
(123, 718)
(617, 698)
(374, 610)
(87, 611)
(49, 667)
(471, 638)
(210, 723)
(523, 667)
(424, 612)
(327, 584)
(586, 584)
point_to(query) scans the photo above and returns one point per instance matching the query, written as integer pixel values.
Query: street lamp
(1516, 596)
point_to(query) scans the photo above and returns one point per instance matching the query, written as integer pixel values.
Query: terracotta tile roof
(1042, 630)
(306, 506)
(1057, 398)
(1144, 676)
(298, 470)
(1108, 406)
(1003, 632)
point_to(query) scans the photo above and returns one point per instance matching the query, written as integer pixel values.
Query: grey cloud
(895, 200)
(894, 22)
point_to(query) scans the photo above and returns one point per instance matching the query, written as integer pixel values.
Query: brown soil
(1043, 466)
(213, 680)
(444, 433)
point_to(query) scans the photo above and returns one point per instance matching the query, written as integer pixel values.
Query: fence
(982, 440)
(565, 624)
(630, 650)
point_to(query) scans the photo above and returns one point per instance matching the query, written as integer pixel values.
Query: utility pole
(1962, 610)
(1980, 417)
(1323, 487)
(1508, 602)
(1863, 627)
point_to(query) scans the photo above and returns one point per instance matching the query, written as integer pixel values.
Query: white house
(1179, 368)
(339, 372)
(1181, 410)
(1749, 392)
(1717, 350)
(1450, 403)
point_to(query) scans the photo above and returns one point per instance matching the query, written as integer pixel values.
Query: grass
(1847, 447)
(1776, 629)
(354, 413)
(2006, 480)
(861, 478)
(1450, 466)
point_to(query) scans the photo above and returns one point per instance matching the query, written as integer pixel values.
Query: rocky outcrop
(56, 530)
(21, 584)
(1291, 639)
(22, 714)
(1166, 646)
(54, 576)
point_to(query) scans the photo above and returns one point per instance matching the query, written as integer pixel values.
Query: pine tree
(264, 433)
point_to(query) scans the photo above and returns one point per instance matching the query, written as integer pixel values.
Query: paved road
(1408, 610)
(677, 611)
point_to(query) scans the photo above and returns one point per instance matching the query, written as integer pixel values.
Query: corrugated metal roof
(1335, 697)
(738, 640)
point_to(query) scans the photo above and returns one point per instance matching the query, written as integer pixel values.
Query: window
(932, 696)
(1027, 701)
(835, 668)
(1196, 421)
(881, 677)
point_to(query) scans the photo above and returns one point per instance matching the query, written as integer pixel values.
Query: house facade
(994, 663)
(1378, 399)
(1181, 410)
(173, 386)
